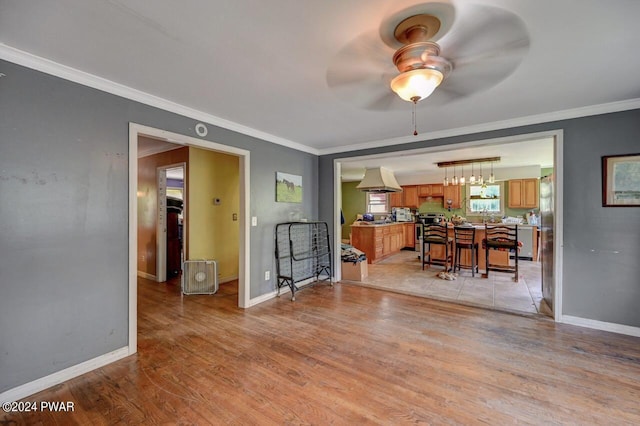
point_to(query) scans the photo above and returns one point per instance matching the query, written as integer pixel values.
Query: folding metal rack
(302, 252)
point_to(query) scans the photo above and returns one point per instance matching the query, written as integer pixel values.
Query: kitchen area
(386, 223)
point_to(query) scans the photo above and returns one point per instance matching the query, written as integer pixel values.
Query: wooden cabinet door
(515, 194)
(410, 196)
(437, 190)
(386, 244)
(409, 235)
(523, 193)
(530, 197)
(395, 199)
(451, 192)
(424, 190)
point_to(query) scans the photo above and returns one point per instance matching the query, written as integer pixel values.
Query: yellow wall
(212, 232)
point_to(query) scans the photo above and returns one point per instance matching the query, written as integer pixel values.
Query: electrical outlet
(267, 275)
(234, 216)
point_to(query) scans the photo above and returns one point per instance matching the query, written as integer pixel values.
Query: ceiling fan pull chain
(414, 119)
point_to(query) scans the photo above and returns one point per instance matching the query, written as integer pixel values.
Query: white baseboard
(273, 294)
(146, 275)
(601, 325)
(58, 377)
(224, 280)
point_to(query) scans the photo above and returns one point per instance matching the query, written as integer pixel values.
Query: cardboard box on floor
(354, 271)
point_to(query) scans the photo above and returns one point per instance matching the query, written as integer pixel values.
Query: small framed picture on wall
(288, 188)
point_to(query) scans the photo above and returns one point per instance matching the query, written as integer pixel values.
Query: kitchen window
(485, 199)
(377, 202)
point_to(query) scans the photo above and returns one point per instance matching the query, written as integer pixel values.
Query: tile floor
(403, 273)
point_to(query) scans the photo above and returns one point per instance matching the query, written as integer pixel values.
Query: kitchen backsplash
(436, 207)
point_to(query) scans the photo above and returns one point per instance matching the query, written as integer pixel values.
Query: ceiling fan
(439, 52)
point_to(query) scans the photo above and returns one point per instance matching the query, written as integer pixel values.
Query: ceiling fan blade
(364, 58)
(361, 72)
(486, 45)
(383, 102)
(480, 28)
(481, 72)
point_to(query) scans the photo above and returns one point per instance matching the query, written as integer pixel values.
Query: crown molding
(618, 106)
(48, 66)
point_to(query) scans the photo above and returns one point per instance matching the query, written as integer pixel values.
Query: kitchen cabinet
(396, 199)
(523, 194)
(452, 192)
(430, 190)
(378, 241)
(411, 196)
(409, 235)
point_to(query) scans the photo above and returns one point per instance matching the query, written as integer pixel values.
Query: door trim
(244, 280)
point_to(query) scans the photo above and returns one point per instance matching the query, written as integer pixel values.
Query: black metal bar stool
(465, 238)
(501, 237)
(434, 233)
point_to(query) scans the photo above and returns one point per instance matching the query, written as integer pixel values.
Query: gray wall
(601, 274)
(64, 217)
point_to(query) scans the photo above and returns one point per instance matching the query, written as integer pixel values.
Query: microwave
(403, 214)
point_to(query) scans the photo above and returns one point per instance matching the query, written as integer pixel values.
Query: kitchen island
(381, 240)
(496, 257)
(378, 240)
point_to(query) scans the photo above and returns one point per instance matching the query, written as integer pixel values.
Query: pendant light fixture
(472, 178)
(462, 177)
(454, 181)
(480, 178)
(492, 178)
(445, 182)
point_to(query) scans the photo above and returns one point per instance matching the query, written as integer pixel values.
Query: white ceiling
(521, 159)
(262, 67)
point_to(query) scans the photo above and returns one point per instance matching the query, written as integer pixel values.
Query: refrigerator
(547, 223)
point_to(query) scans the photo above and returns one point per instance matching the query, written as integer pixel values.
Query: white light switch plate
(254, 221)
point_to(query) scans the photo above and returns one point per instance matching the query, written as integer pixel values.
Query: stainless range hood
(379, 179)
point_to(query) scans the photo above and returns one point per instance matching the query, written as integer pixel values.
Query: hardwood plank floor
(350, 355)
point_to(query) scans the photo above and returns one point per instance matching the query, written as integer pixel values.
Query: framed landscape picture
(288, 188)
(621, 181)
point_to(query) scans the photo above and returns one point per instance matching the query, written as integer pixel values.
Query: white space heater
(199, 277)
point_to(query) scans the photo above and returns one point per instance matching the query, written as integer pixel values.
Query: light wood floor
(351, 355)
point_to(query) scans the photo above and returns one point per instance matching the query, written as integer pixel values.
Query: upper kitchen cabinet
(452, 192)
(407, 198)
(523, 193)
(411, 196)
(396, 199)
(430, 190)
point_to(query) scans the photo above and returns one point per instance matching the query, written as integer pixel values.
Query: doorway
(555, 277)
(243, 156)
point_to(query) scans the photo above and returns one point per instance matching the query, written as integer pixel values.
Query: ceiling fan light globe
(415, 85)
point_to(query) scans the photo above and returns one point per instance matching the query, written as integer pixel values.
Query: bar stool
(501, 237)
(465, 238)
(434, 233)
